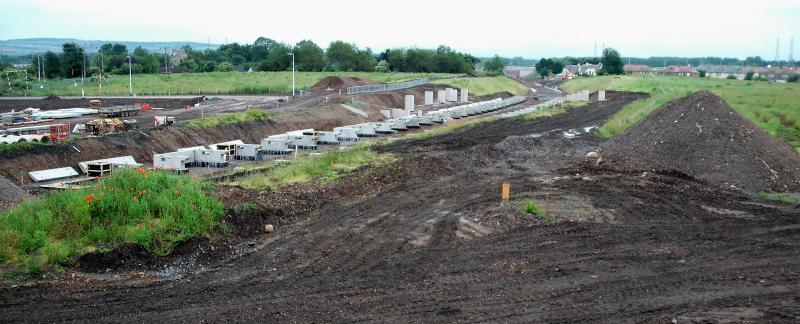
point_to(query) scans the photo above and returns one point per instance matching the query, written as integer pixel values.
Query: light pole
(130, 76)
(292, 55)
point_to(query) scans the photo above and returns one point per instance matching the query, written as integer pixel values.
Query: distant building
(573, 70)
(638, 69)
(519, 72)
(724, 71)
(681, 70)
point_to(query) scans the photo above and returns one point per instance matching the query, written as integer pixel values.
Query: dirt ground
(427, 240)
(52, 103)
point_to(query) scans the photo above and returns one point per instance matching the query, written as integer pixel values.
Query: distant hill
(39, 45)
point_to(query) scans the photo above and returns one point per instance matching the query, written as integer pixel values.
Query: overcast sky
(509, 28)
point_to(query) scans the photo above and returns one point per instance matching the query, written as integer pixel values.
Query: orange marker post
(506, 191)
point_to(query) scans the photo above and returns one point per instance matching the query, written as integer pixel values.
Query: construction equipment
(121, 111)
(110, 125)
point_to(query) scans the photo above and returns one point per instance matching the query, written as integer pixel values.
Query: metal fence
(386, 86)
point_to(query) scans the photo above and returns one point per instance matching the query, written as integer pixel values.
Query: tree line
(264, 54)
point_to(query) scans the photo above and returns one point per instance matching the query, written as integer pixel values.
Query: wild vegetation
(321, 168)
(251, 114)
(772, 106)
(154, 209)
(534, 209)
(211, 83)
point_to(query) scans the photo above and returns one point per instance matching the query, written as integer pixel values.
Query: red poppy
(89, 198)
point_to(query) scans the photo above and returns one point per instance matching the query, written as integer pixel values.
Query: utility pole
(130, 76)
(777, 51)
(292, 55)
(39, 66)
(83, 73)
(791, 50)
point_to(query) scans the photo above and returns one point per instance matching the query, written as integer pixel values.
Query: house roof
(680, 69)
(637, 68)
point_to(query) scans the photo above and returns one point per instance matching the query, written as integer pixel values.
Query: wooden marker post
(506, 192)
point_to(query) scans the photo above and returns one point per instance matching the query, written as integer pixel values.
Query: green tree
(341, 56)
(396, 59)
(309, 56)
(612, 62)
(382, 67)
(749, 76)
(278, 58)
(224, 67)
(420, 60)
(52, 65)
(71, 60)
(495, 65)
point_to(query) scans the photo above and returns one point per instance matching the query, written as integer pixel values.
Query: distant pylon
(778, 50)
(595, 50)
(791, 50)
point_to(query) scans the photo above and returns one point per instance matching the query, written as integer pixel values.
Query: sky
(529, 29)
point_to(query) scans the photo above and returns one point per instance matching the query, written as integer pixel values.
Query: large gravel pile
(10, 193)
(701, 136)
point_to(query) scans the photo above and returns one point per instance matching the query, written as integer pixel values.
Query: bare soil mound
(701, 136)
(10, 193)
(336, 83)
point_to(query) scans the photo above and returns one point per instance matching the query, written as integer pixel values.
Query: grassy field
(483, 86)
(325, 167)
(205, 83)
(154, 209)
(772, 106)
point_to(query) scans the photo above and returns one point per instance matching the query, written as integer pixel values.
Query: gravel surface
(10, 193)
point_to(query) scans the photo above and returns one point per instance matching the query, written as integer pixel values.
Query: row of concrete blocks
(442, 97)
(546, 104)
(445, 114)
(220, 154)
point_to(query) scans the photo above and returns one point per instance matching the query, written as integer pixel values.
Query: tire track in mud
(666, 257)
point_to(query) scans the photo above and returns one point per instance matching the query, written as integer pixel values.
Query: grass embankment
(483, 86)
(211, 83)
(322, 168)
(251, 114)
(155, 209)
(20, 147)
(772, 106)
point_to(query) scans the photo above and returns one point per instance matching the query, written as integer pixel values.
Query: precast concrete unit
(383, 128)
(465, 95)
(327, 138)
(441, 96)
(346, 134)
(250, 152)
(172, 161)
(428, 98)
(409, 103)
(411, 121)
(365, 130)
(398, 124)
(452, 95)
(397, 113)
(425, 120)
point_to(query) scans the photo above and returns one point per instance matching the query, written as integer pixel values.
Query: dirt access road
(434, 245)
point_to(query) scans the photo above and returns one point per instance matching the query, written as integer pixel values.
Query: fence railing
(386, 86)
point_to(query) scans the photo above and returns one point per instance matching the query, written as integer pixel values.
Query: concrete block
(464, 95)
(451, 95)
(409, 103)
(399, 113)
(386, 113)
(428, 98)
(441, 96)
(601, 95)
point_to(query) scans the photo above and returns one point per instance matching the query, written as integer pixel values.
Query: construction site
(500, 208)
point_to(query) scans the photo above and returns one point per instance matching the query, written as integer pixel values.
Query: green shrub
(155, 209)
(780, 197)
(733, 77)
(793, 78)
(534, 209)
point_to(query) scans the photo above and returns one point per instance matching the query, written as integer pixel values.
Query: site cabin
(275, 146)
(327, 138)
(250, 152)
(115, 162)
(229, 147)
(172, 162)
(302, 139)
(121, 111)
(346, 134)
